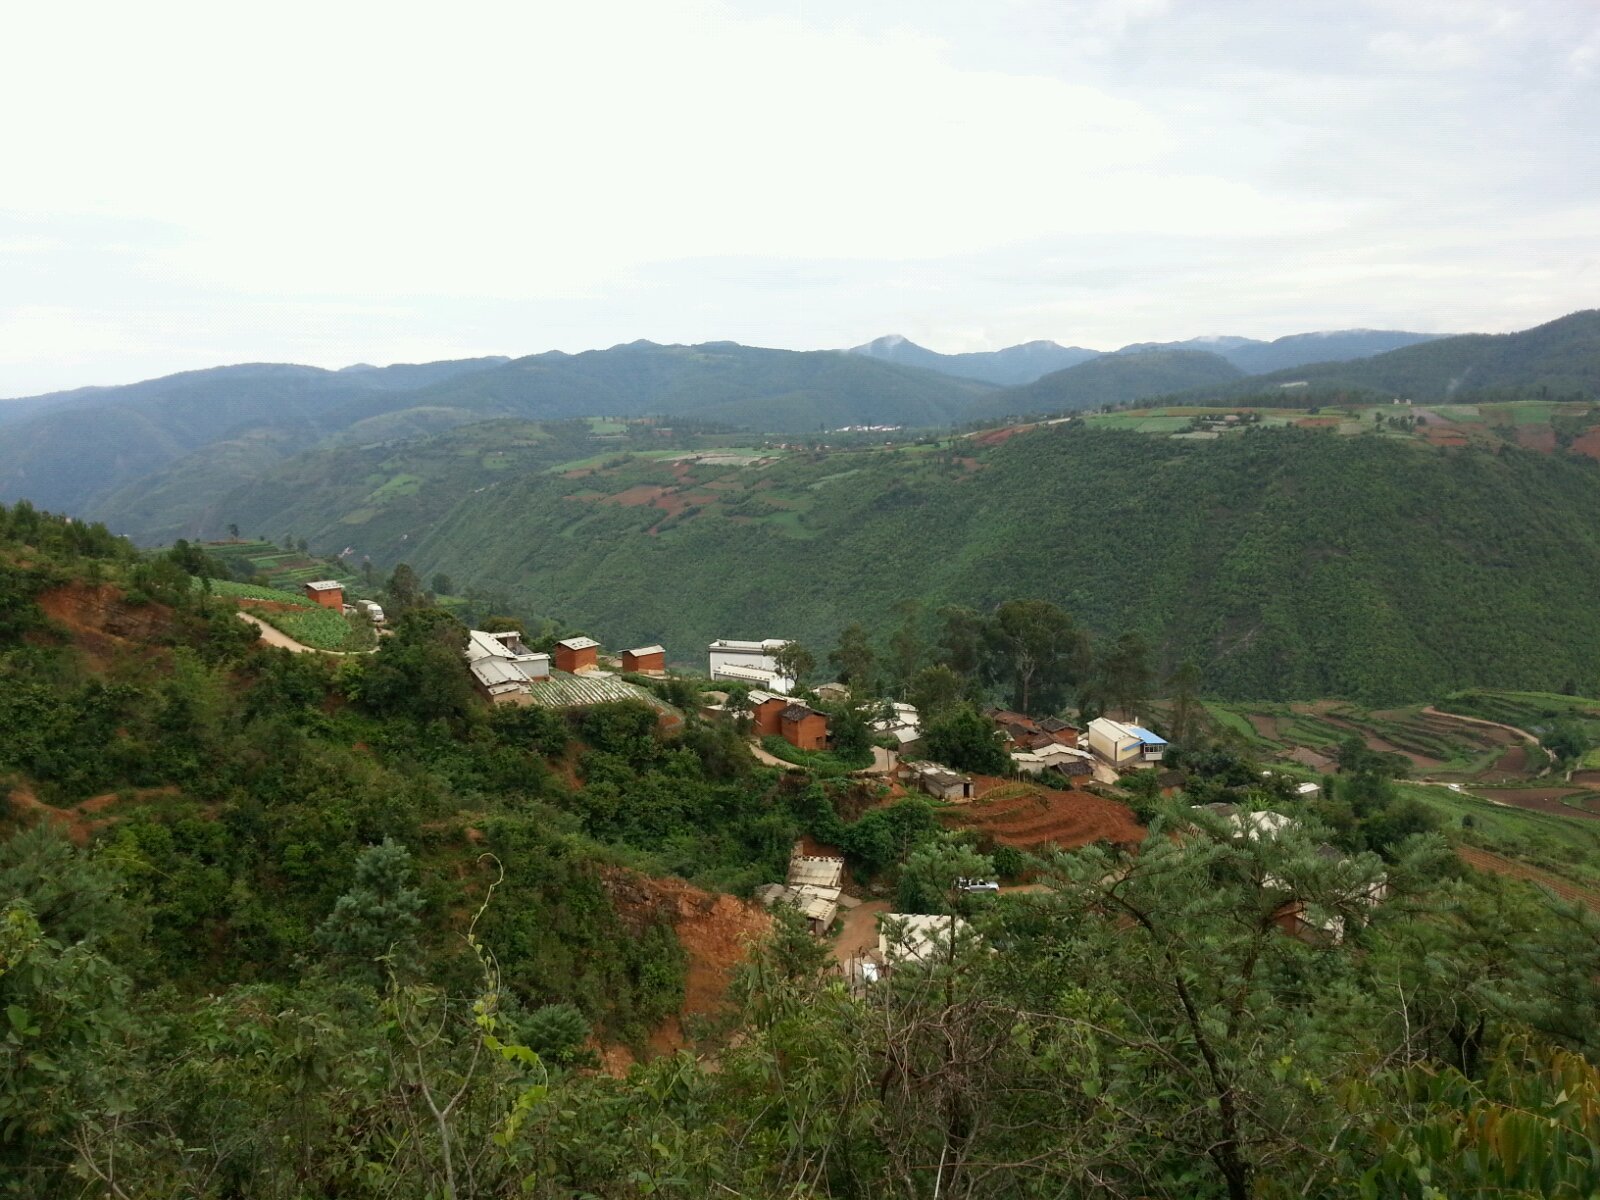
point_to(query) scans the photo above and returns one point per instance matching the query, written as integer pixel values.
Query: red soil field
(637, 496)
(1046, 817)
(1537, 437)
(1589, 443)
(1546, 800)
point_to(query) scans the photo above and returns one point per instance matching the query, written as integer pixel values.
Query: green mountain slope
(1114, 379)
(77, 448)
(1288, 562)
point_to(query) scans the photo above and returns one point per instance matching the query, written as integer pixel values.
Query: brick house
(576, 655)
(803, 727)
(648, 660)
(327, 592)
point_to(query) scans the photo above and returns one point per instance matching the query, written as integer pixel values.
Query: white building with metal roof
(750, 662)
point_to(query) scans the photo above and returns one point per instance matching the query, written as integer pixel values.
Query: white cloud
(330, 183)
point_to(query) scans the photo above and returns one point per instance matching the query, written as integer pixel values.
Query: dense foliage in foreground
(274, 969)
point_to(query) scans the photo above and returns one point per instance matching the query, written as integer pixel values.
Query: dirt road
(1449, 716)
(772, 760)
(276, 637)
(860, 932)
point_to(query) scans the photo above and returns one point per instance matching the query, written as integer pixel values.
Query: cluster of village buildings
(506, 671)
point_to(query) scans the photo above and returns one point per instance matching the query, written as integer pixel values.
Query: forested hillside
(277, 925)
(1289, 563)
(71, 450)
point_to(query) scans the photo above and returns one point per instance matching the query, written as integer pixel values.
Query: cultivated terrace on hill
(286, 925)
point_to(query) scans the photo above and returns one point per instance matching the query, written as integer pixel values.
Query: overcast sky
(187, 185)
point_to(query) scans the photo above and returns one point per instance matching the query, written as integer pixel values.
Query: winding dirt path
(772, 760)
(1450, 716)
(277, 637)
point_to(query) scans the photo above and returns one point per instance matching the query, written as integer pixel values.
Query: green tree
(1567, 742)
(906, 649)
(1124, 674)
(854, 661)
(933, 690)
(795, 661)
(404, 589)
(964, 738)
(377, 917)
(420, 671)
(443, 585)
(1186, 712)
(964, 635)
(1043, 653)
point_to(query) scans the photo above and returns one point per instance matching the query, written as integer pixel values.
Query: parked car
(978, 885)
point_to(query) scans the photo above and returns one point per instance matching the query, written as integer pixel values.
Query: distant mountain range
(1013, 365)
(1025, 363)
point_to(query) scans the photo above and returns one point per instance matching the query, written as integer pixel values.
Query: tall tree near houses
(1183, 690)
(1044, 652)
(854, 661)
(905, 645)
(795, 661)
(1126, 675)
(963, 640)
(404, 588)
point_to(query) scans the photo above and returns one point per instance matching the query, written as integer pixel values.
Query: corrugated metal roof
(817, 871)
(325, 585)
(562, 690)
(578, 643)
(1145, 736)
(641, 651)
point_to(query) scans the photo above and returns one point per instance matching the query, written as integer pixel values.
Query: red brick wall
(330, 599)
(768, 717)
(808, 733)
(572, 661)
(643, 662)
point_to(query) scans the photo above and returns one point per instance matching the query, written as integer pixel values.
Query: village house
(1055, 758)
(803, 727)
(327, 592)
(907, 939)
(939, 781)
(766, 712)
(1295, 916)
(833, 693)
(503, 668)
(903, 723)
(750, 662)
(1124, 745)
(1025, 733)
(814, 886)
(577, 655)
(645, 660)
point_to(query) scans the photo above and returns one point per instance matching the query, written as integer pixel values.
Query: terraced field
(1029, 817)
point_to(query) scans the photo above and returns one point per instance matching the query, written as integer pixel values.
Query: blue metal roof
(1146, 736)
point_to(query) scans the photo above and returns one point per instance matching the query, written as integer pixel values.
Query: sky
(186, 185)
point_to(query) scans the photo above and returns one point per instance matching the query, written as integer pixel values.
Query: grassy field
(319, 627)
(251, 591)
